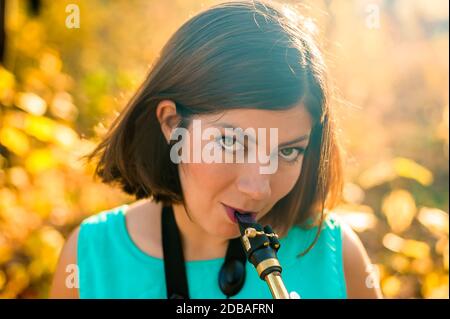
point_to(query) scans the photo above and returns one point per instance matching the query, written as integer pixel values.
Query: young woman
(241, 64)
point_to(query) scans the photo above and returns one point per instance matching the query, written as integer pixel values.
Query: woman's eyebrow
(228, 125)
(296, 140)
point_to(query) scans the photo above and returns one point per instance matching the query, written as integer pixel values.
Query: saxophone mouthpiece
(245, 218)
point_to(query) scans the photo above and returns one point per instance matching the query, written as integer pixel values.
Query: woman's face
(210, 187)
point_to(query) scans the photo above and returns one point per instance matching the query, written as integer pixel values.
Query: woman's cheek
(285, 181)
(207, 176)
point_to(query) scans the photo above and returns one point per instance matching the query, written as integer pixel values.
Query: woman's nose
(256, 186)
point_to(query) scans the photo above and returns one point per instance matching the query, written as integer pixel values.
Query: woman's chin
(230, 231)
(234, 232)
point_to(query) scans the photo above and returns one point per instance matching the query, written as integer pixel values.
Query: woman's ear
(166, 113)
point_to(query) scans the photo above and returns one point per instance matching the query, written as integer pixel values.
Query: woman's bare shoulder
(65, 278)
(361, 280)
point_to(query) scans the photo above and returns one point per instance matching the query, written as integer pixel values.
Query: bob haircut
(239, 54)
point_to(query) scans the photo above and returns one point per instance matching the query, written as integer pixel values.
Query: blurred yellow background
(60, 88)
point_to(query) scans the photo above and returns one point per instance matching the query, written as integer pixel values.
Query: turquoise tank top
(111, 265)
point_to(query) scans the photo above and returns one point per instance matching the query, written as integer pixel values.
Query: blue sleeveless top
(111, 265)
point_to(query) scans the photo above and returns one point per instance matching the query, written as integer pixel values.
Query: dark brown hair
(240, 54)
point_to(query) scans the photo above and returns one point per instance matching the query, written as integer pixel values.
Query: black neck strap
(230, 278)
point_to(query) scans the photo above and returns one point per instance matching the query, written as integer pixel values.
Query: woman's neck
(197, 244)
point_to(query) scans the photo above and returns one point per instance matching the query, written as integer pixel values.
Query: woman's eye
(291, 154)
(230, 143)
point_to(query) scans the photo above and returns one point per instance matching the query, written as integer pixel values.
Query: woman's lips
(230, 211)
